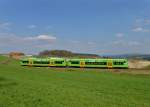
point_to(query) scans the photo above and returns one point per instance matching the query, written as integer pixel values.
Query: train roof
(72, 59)
(48, 58)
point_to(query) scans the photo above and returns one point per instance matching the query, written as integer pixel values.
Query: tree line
(65, 53)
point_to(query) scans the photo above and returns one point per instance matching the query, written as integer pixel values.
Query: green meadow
(67, 87)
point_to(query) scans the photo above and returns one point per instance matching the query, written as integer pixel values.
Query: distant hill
(132, 56)
(65, 53)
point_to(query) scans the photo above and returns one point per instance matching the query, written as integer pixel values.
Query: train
(75, 62)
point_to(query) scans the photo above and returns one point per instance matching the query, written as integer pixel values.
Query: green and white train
(82, 63)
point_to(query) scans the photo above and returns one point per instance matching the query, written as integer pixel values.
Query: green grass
(55, 87)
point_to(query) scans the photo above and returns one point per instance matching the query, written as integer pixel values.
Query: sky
(82, 26)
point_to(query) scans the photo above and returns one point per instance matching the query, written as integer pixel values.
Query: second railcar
(98, 63)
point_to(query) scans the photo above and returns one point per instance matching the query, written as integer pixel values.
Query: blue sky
(87, 26)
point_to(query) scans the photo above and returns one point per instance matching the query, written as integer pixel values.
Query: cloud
(134, 43)
(74, 41)
(46, 37)
(91, 43)
(5, 26)
(123, 46)
(146, 30)
(124, 43)
(119, 35)
(13, 42)
(147, 21)
(32, 26)
(7, 39)
(140, 29)
(138, 20)
(41, 37)
(141, 25)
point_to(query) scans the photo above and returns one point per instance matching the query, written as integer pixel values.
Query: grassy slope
(33, 87)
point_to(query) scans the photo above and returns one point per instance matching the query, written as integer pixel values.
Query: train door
(30, 62)
(52, 63)
(109, 64)
(82, 64)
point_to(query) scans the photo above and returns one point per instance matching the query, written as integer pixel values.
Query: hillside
(132, 56)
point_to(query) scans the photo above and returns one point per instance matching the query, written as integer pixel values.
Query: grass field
(56, 87)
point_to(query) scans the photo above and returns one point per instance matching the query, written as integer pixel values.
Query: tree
(56, 53)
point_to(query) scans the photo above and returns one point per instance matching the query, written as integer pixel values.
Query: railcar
(43, 62)
(98, 63)
(89, 63)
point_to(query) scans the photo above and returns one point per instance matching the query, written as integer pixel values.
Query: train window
(118, 63)
(87, 63)
(95, 63)
(37, 62)
(74, 62)
(45, 62)
(102, 63)
(41, 62)
(59, 62)
(25, 61)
